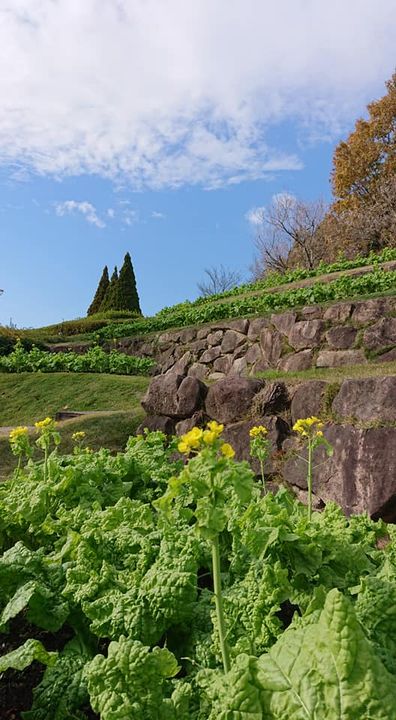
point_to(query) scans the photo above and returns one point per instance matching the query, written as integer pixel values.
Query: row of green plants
(274, 279)
(187, 314)
(188, 592)
(94, 360)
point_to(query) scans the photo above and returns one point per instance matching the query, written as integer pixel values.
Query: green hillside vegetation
(26, 397)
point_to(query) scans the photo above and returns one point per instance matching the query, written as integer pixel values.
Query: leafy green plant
(192, 314)
(95, 360)
(187, 594)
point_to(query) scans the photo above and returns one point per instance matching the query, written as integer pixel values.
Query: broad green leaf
(23, 656)
(326, 671)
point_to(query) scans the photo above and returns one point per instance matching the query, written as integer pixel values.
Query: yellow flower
(307, 427)
(78, 436)
(227, 450)
(183, 447)
(209, 437)
(18, 432)
(257, 431)
(44, 424)
(215, 427)
(193, 438)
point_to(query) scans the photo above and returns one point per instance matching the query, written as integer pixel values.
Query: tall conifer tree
(96, 304)
(110, 300)
(128, 297)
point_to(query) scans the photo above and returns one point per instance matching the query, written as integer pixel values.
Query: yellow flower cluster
(46, 424)
(227, 450)
(257, 431)
(18, 432)
(78, 436)
(197, 438)
(309, 427)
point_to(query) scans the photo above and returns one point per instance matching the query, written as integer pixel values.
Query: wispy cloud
(70, 207)
(111, 213)
(84, 92)
(157, 215)
(254, 216)
(130, 217)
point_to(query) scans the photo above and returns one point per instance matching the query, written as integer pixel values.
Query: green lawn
(332, 374)
(26, 397)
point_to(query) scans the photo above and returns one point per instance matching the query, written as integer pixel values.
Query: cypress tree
(96, 303)
(128, 298)
(110, 300)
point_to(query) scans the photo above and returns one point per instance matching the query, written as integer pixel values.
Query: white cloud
(167, 93)
(254, 216)
(111, 213)
(130, 217)
(86, 209)
(157, 215)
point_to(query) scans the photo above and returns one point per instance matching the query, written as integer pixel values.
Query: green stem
(225, 652)
(262, 473)
(309, 478)
(19, 464)
(45, 464)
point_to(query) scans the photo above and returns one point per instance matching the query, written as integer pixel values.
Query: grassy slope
(337, 374)
(26, 397)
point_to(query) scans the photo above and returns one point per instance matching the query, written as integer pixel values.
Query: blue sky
(155, 127)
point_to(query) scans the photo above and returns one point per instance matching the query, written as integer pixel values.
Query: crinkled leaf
(131, 683)
(327, 670)
(23, 656)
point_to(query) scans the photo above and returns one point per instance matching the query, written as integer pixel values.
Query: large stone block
(367, 399)
(380, 335)
(361, 474)
(256, 326)
(284, 322)
(271, 346)
(340, 312)
(237, 434)
(210, 355)
(294, 362)
(229, 400)
(231, 340)
(174, 395)
(369, 310)
(341, 337)
(198, 370)
(157, 422)
(272, 399)
(340, 358)
(308, 400)
(306, 334)
(215, 338)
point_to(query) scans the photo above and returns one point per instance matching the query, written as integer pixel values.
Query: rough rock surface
(229, 400)
(271, 346)
(340, 358)
(293, 362)
(157, 422)
(308, 399)
(368, 399)
(380, 335)
(341, 337)
(306, 334)
(237, 434)
(272, 399)
(361, 474)
(174, 395)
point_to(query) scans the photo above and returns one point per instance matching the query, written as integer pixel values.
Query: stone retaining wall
(343, 334)
(360, 424)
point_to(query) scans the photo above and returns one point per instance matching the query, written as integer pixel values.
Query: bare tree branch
(219, 279)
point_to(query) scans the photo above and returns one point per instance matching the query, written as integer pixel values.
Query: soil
(16, 688)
